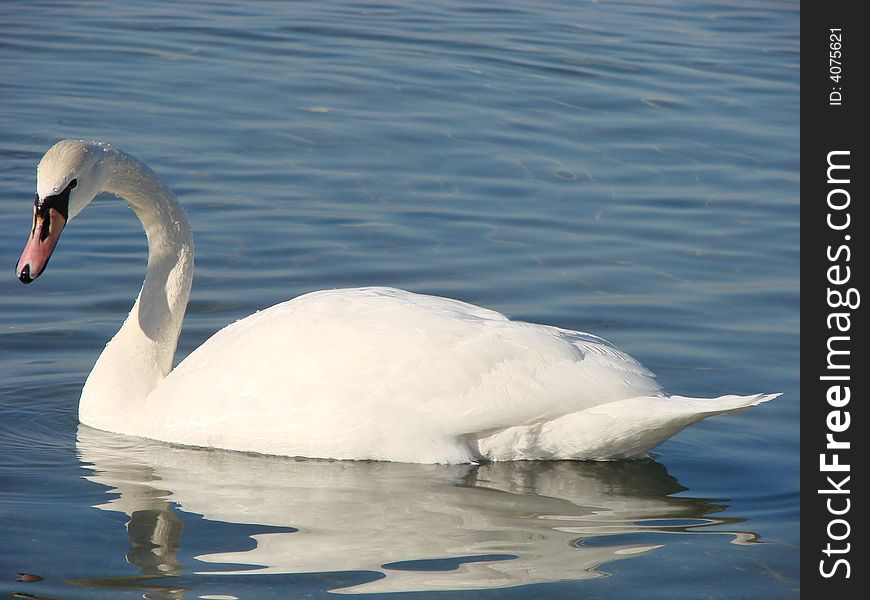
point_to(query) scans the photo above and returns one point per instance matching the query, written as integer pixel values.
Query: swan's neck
(140, 355)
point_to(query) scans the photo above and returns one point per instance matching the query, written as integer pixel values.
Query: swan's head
(67, 179)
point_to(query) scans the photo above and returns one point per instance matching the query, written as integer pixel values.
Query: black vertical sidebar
(834, 261)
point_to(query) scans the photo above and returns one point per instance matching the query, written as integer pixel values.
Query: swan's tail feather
(705, 407)
(623, 429)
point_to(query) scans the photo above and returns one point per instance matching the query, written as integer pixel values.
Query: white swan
(365, 374)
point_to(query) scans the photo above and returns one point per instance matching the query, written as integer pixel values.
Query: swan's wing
(380, 364)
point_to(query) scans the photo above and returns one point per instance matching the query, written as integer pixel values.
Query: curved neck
(140, 355)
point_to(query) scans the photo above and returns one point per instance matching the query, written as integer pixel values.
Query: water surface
(623, 168)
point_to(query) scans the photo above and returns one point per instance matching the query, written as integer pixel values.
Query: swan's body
(369, 373)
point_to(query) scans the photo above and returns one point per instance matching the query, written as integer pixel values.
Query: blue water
(623, 168)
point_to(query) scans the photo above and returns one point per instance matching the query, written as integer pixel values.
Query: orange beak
(47, 226)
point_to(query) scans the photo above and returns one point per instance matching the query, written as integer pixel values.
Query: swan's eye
(59, 202)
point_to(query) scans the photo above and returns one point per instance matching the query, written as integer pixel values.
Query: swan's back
(380, 373)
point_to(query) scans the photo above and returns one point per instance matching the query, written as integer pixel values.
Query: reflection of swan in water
(503, 524)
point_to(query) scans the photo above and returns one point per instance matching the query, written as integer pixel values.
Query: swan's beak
(43, 238)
